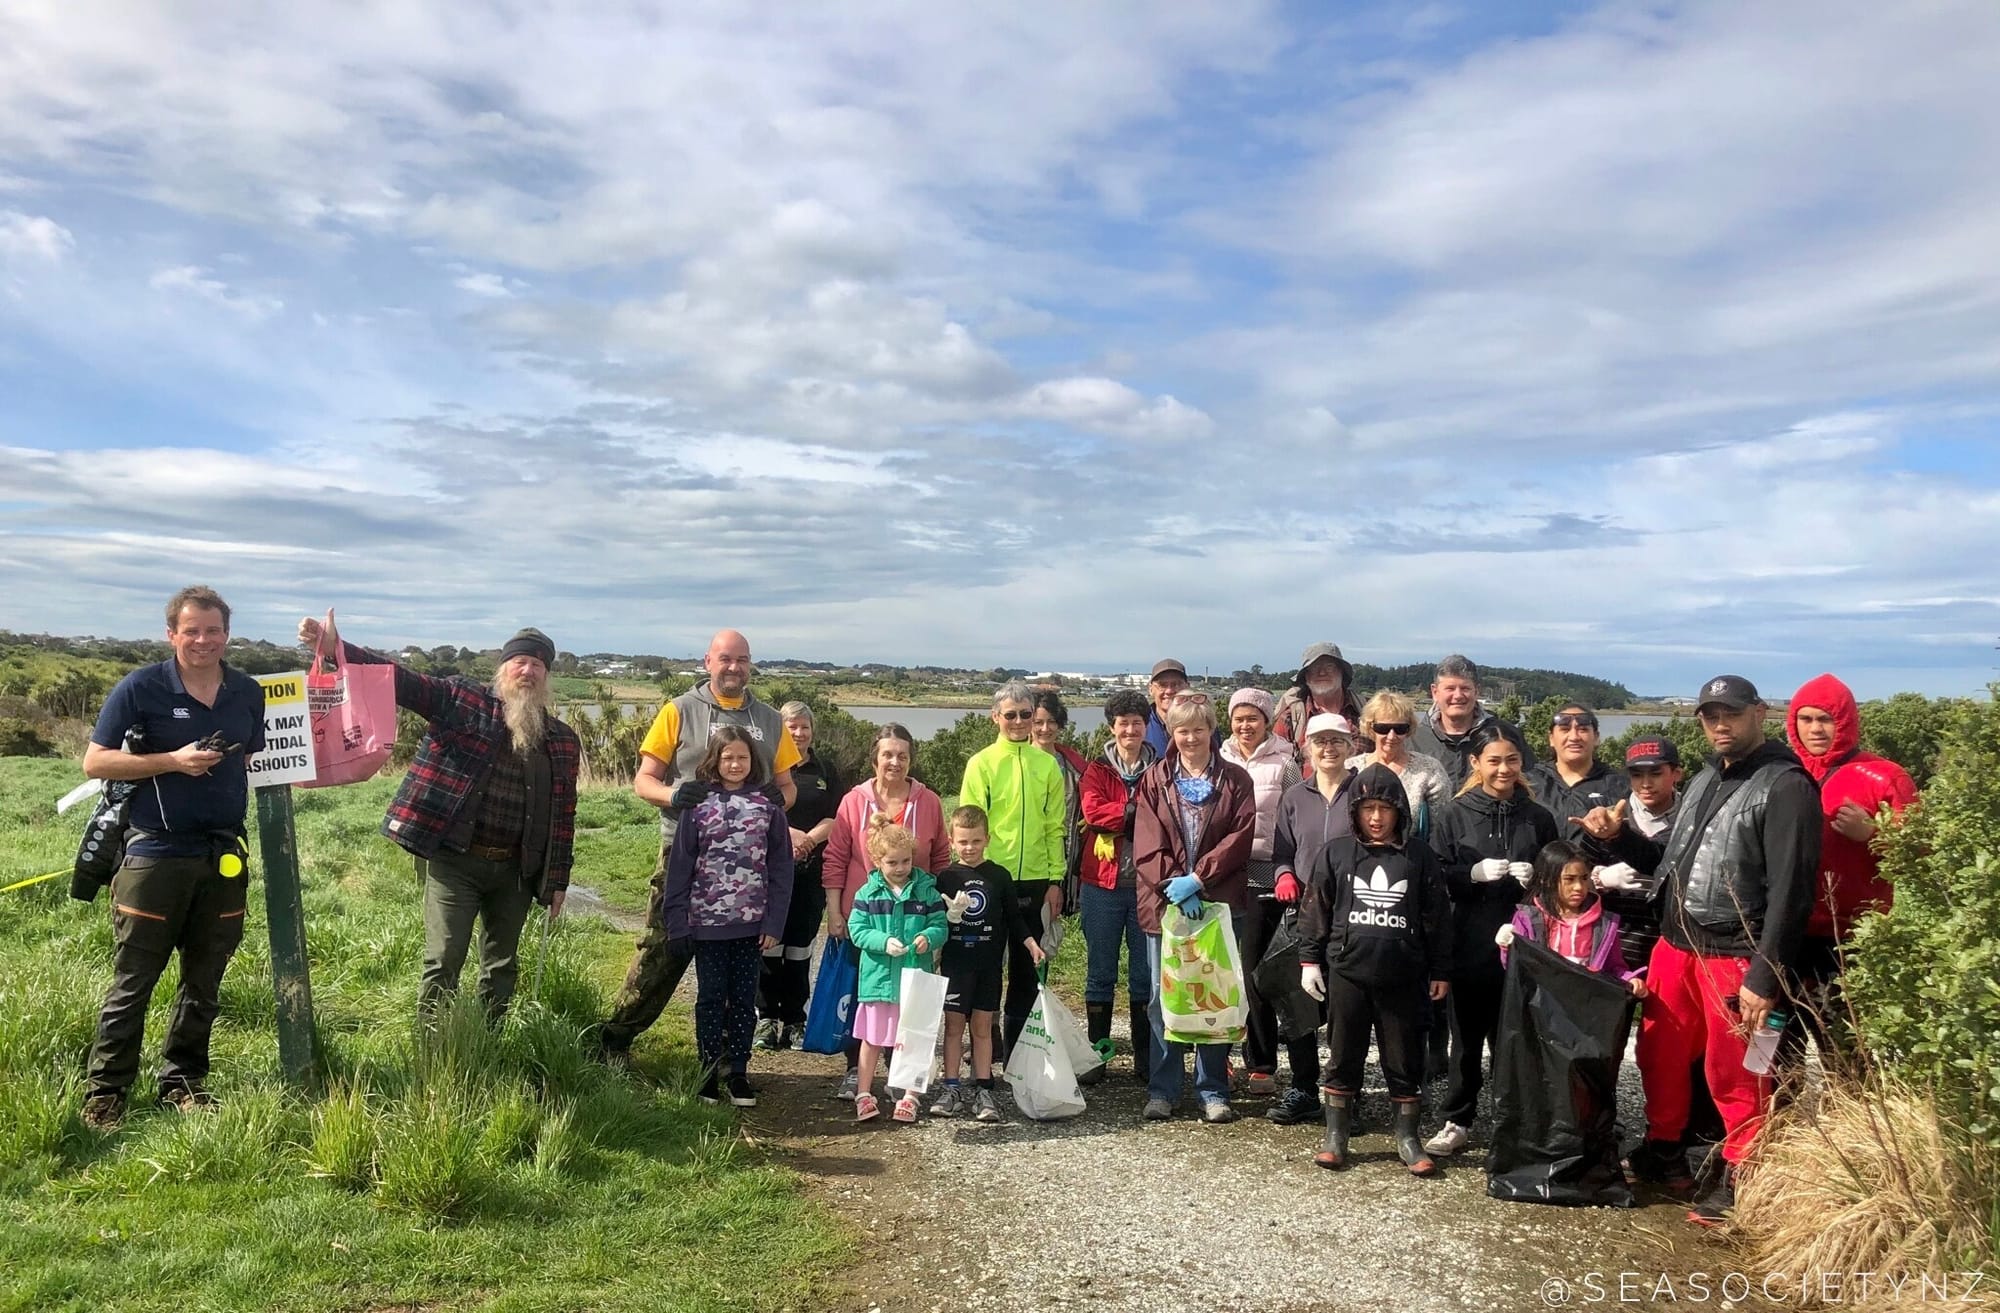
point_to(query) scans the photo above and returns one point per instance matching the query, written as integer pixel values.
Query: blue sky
(1649, 340)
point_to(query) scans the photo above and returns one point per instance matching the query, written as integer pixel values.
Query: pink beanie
(1254, 697)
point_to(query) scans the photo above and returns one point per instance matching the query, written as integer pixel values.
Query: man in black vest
(1737, 871)
(665, 778)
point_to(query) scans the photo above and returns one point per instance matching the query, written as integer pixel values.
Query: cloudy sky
(1648, 340)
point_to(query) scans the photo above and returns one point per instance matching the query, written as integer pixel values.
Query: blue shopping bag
(831, 1017)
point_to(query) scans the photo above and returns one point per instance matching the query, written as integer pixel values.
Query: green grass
(469, 1168)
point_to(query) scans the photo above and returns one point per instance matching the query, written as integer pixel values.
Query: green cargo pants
(655, 973)
(459, 889)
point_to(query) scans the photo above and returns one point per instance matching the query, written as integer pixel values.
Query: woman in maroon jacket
(1192, 830)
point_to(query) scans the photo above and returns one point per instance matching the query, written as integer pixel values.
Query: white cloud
(33, 237)
(193, 280)
(483, 284)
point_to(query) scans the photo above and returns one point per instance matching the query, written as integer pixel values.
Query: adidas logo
(1379, 895)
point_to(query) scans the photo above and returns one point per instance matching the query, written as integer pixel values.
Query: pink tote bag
(353, 714)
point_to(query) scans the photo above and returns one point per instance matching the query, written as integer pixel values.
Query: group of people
(1406, 853)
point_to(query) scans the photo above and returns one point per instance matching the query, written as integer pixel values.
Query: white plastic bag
(1061, 1023)
(919, 1014)
(1038, 1068)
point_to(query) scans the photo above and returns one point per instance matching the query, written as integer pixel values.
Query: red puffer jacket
(1850, 882)
(1107, 805)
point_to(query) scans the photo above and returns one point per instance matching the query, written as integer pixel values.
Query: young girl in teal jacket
(898, 921)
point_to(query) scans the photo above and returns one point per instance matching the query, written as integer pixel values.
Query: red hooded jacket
(1849, 879)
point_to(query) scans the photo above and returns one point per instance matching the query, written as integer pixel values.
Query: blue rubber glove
(1193, 909)
(1182, 888)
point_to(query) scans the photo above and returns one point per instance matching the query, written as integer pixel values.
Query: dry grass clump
(1868, 1178)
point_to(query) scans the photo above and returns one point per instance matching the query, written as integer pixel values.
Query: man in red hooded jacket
(1824, 726)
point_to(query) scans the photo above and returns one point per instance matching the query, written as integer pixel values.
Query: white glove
(1504, 936)
(896, 947)
(956, 906)
(1313, 981)
(1487, 870)
(1052, 932)
(1618, 876)
(1521, 871)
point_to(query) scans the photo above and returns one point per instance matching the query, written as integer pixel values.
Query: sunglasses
(1197, 699)
(1575, 722)
(1017, 715)
(1402, 728)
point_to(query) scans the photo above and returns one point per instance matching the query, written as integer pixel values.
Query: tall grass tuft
(429, 1162)
(345, 1139)
(1869, 1178)
(38, 1117)
(243, 1140)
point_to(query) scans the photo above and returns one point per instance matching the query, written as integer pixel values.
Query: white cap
(1327, 722)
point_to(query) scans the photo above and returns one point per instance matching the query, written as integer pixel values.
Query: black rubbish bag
(1556, 1050)
(1277, 982)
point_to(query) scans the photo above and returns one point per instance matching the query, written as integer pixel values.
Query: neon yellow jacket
(1021, 788)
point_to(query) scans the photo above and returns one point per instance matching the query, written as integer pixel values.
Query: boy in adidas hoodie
(1375, 927)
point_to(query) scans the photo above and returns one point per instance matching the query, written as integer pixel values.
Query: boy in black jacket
(1375, 927)
(979, 903)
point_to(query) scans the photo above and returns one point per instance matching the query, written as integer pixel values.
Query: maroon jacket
(1159, 848)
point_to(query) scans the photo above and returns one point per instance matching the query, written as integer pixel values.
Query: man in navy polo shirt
(181, 885)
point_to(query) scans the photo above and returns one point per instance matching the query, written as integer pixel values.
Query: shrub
(19, 738)
(1921, 976)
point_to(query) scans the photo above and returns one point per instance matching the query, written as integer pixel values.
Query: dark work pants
(1475, 1013)
(160, 905)
(725, 1002)
(784, 982)
(1395, 1010)
(653, 977)
(460, 889)
(1817, 1008)
(1022, 983)
(1261, 920)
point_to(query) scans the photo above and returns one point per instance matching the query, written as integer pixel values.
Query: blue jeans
(1110, 916)
(1211, 1061)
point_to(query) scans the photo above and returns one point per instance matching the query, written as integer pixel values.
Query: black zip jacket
(1451, 749)
(1790, 834)
(1377, 913)
(1602, 787)
(1470, 828)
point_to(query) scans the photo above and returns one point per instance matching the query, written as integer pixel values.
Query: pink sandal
(906, 1108)
(865, 1107)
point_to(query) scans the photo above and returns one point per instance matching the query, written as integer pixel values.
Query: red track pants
(1688, 1018)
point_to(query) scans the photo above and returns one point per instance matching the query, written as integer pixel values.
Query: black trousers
(1022, 983)
(784, 977)
(159, 906)
(1396, 1010)
(1818, 1008)
(1475, 1014)
(1261, 919)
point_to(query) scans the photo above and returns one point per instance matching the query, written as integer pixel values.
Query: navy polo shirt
(183, 810)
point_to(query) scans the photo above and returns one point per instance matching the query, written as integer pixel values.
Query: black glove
(687, 793)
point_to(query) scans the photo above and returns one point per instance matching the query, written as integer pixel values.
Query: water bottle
(1763, 1050)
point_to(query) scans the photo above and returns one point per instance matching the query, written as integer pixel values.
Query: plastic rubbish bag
(919, 1014)
(1039, 1068)
(1201, 977)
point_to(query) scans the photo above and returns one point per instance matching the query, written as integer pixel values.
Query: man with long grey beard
(487, 809)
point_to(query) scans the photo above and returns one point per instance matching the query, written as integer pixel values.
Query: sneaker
(788, 1036)
(1261, 1084)
(954, 1102)
(1661, 1162)
(770, 1034)
(740, 1093)
(1158, 1110)
(1293, 1107)
(1449, 1140)
(711, 1090)
(985, 1107)
(849, 1087)
(1714, 1208)
(186, 1098)
(865, 1108)
(906, 1108)
(104, 1112)
(1218, 1113)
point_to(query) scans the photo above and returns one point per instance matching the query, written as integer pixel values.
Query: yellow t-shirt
(663, 740)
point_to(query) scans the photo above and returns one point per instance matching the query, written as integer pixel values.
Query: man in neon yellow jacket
(1020, 788)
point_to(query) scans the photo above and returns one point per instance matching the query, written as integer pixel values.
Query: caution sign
(287, 757)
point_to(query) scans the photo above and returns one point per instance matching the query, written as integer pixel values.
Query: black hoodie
(1471, 828)
(1377, 913)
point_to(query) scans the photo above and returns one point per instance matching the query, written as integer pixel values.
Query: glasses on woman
(1385, 729)
(1191, 698)
(1575, 722)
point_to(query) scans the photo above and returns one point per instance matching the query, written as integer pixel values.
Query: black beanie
(529, 642)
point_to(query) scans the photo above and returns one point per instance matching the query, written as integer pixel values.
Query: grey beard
(527, 719)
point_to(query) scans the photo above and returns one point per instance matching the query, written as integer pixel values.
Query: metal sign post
(285, 911)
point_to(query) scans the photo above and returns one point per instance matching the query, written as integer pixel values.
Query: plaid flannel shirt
(466, 723)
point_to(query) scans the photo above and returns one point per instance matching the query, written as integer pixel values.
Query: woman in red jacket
(1192, 829)
(892, 793)
(1108, 899)
(1824, 726)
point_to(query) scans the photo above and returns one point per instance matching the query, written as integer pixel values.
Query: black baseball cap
(1650, 752)
(1731, 691)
